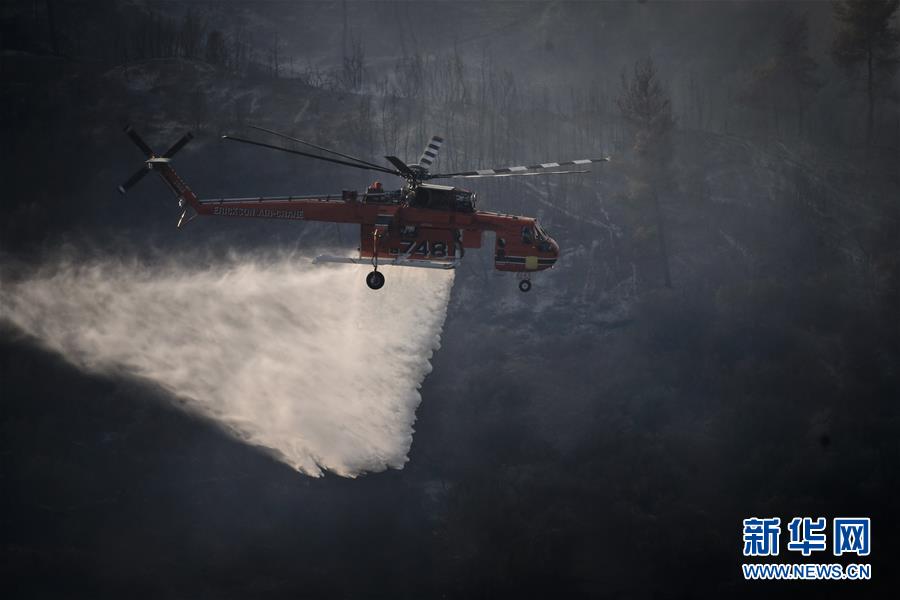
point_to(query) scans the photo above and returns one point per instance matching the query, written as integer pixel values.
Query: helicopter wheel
(525, 285)
(375, 280)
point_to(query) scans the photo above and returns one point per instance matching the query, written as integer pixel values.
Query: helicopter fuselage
(398, 224)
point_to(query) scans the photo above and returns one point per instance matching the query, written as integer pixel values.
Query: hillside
(601, 435)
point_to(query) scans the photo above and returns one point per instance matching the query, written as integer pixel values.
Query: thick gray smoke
(299, 359)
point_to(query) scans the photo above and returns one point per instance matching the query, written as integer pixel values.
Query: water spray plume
(301, 360)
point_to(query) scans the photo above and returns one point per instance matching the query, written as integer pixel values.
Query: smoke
(302, 360)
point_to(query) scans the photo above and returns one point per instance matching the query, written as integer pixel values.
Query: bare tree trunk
(344, 32)
(51, 24)
(870, 92)
(661, 237)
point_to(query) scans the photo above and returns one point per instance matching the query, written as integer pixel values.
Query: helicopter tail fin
(162, 165)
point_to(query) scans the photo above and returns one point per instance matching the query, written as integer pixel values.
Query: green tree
(867, 37)
(646, 106)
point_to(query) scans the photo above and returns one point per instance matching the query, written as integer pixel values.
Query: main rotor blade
(514, 174)
(402, 169)
(129, 183)
(311, 145)
(178, 145)
(429, 155)
(521, 169)
(325, 158)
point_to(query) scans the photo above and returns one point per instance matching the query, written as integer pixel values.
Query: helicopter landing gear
(524, 285)
(375, 280)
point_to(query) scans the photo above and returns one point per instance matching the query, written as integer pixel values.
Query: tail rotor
(152, 157)
(161, 164)
(178, 145)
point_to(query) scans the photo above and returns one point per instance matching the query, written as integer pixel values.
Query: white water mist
(299, 359)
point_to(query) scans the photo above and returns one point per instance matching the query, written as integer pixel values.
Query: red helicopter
(420, 225)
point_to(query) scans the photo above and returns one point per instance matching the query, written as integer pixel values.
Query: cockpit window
(543, 239)
(527, 235)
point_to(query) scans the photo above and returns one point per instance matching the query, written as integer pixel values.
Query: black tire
(525, 285)
(375, 280)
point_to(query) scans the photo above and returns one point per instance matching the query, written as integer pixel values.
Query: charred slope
(601, 436)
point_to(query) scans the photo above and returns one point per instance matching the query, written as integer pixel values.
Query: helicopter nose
(554, 250)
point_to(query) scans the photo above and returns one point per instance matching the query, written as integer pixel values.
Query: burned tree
(787, 82)
(868, 38)
(216, 49)
(646, 106)
(354, 67)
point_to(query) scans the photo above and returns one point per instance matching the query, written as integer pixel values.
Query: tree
(646, 106)
(197, 109)
(216, 49)
(354, 67)
(191, 34)
(274, 57)
(787, 81)
(51, 26)
(867, 37)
